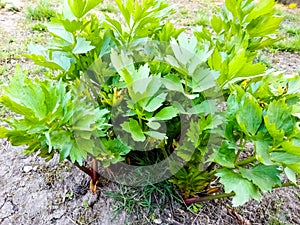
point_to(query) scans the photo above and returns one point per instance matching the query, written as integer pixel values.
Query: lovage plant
(138, 96)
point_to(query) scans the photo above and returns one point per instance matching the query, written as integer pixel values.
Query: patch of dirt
(287, 62)
(37, 192)
(33, 191)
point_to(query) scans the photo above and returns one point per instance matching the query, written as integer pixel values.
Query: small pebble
(27, 169)
(157, 221)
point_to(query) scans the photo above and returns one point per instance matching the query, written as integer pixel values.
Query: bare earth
(33, 191)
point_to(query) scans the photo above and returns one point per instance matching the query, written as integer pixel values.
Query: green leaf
(156, 102)
(134, 129)
(288, 159)
(237, 63)
(231, 5)
(244, 190)
(279, 120)
(24, 96)
(204, 79)
(82, 46)
(81, 7)
(262, 8)
(215, 61)
(111, 151)
(292, 146)
(296, 110)
(172, 83)
(205, 107)
(291, 175)
(166, 113)
(225, 155)
(216, 23)
(156, 135)
(154, 125)
(42, 61)
(265, 177)
(59, 30)
(249, 115)
(262, 152)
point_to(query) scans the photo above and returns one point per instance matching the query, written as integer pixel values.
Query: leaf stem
(287, 184)
(208, 198)
(246, 161)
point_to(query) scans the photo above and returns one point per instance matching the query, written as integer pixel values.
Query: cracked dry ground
(33, 191)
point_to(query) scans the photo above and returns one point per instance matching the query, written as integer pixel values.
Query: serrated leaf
(262, 152)
(62, 60)
(155, 102)
(249, 115)
(172, 83)
(24, 96)
(166, 113)
(205, 107)
(42, 61)
(59, 30)
(215, 61)
(288, 159)
(265, 177)
(216, 23)
(82, 46)
(81, 7)
(204, 79)
(279, 120)
(244, 190)
(262, 8)
(290, 174)
(237, 63)
(225, 155)
(296, 110)
(292, 146)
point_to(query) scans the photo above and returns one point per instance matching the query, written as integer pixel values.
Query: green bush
(192, 104)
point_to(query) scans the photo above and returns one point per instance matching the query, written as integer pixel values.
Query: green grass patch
(293, 17)
(42, 11)
(110, 8)
(151, 197)
(290, 44)
(202, 18)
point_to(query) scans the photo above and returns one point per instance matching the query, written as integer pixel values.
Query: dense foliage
(130, 82)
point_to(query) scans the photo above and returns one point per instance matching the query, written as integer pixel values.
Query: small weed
(42, 11)
(39, 27)
(195, 207)
(85, 204)
(69, 195)
(2, 4)
(184, 12)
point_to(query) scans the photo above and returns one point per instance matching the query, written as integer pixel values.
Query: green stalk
(226, 195)
(208, 198)
(246, 161)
